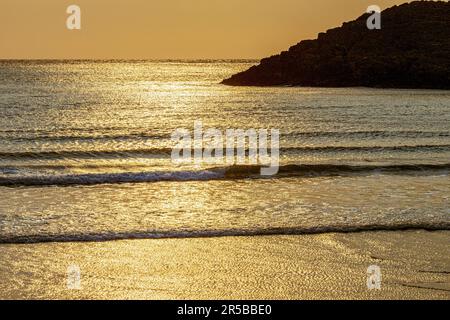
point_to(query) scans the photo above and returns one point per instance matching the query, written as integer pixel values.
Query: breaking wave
(64, 154)
(220, 173)
(113, 236)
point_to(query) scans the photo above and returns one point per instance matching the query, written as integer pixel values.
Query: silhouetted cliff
(412, 50)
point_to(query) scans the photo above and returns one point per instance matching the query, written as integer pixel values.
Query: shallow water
(85, 154)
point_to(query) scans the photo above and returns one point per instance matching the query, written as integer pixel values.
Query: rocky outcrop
(412, 50)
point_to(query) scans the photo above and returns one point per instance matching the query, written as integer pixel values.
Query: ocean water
(85, 154)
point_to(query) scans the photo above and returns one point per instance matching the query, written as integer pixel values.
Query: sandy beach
(414, 265)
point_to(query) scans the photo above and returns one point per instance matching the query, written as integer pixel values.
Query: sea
(85, 154)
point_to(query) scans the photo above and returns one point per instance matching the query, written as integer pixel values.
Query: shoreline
(415, 265)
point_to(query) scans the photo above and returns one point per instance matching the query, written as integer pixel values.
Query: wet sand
(414, 265)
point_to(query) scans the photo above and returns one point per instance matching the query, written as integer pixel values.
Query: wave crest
(112, 236)
(220, 173)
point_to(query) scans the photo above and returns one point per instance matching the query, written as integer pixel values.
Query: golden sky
(168, 29)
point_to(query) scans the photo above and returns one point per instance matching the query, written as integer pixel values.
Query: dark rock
(412, 50)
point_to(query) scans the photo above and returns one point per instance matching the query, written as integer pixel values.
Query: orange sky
(160, 29)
